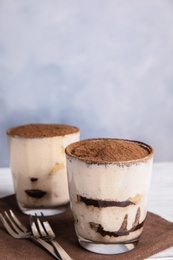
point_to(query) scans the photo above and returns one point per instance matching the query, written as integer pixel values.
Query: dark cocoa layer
(38, 194)
(42, 130)
(99, 229)
(104, 203)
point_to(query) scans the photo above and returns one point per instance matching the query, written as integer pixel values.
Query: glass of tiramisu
(38, 166)
(109, 184)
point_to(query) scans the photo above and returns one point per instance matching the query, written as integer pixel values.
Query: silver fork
(17, 230)
(42, 229)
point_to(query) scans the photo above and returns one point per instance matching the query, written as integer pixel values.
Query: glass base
(107, 249)
(47, 211)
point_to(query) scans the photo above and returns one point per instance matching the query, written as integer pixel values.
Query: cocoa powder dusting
(42, 130)
(108, 150)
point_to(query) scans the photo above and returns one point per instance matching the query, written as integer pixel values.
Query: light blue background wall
(105, 66)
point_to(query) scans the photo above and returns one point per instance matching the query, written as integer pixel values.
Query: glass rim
(71, 146)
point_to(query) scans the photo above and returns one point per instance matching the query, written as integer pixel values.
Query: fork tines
(13, 225)
(41, 229)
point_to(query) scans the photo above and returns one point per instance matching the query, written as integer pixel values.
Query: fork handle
(60, 250)
(47, 246)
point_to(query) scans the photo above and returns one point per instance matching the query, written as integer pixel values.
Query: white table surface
(160, 198)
